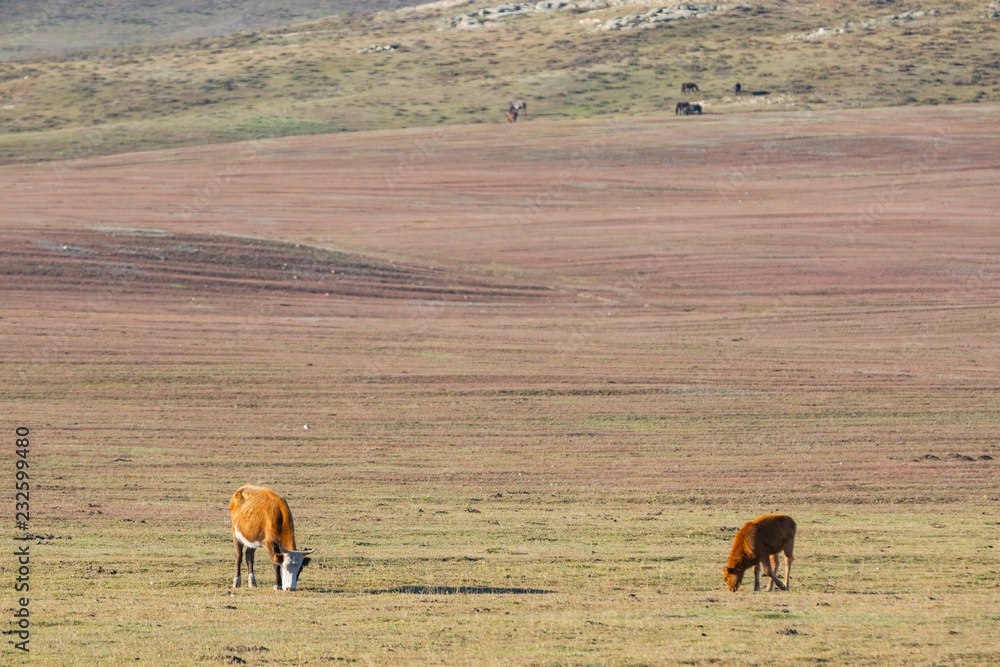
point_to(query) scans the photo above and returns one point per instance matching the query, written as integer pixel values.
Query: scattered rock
(928, 457)
(378, 48)
(787, 631)
(868, 24)
(984, 457)
(960, 457)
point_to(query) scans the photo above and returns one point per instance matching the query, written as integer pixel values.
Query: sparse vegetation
(309, 79)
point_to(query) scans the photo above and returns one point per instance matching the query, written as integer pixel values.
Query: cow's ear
(305, 561)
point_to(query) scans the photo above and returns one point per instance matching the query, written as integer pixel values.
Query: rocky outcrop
(506, 11)
(663, 15)
(510, 10)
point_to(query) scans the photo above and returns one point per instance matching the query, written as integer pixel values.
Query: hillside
(460, 63)
(32, 29)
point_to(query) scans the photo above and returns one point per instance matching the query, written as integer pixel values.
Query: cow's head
(733, 578)
(291, 564)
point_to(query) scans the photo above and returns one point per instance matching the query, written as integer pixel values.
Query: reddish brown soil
(600, 301)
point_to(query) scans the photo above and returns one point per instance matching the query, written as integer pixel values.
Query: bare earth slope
(565, 361)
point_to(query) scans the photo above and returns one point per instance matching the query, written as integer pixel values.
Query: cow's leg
(756, 577)
(251, 579)
(277, 564)
(239, 562)
(773, 568)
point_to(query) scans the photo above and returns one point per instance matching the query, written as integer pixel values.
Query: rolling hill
(460, 62)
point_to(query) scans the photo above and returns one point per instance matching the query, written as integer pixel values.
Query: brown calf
(261, 518)
(758, 543)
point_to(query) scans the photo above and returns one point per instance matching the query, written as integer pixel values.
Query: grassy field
(310, 78)
(547, 374)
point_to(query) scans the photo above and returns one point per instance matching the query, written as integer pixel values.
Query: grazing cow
(692, 109)
(758, 543)
(519, 106)
(261, 518)
(689, 86)
(738, 89)
(681, 106)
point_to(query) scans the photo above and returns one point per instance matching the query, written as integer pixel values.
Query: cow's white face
(291, 566)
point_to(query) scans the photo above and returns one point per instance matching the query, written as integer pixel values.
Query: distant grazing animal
(688, 86)
(512, 115)
(692, 109)
(758, 543)
(261, 518)
(519, 106)
(681, 106)
(738, 89)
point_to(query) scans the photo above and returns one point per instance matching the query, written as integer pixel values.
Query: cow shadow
(758, 93)
(452, 590)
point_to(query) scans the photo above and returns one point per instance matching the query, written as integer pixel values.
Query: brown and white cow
(758, 543)
(261, 518)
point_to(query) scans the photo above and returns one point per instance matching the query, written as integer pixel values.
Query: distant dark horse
(685, 87)
(738, 89)
(520, 106)
(681, 106)
(692, 109)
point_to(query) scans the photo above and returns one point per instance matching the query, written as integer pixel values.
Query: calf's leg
(774, 568)
(789, 548)
(770, 573)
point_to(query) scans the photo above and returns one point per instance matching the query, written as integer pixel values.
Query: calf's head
(732, 577)
(291, 564)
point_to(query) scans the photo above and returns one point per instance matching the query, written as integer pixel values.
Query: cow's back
(259, 513)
